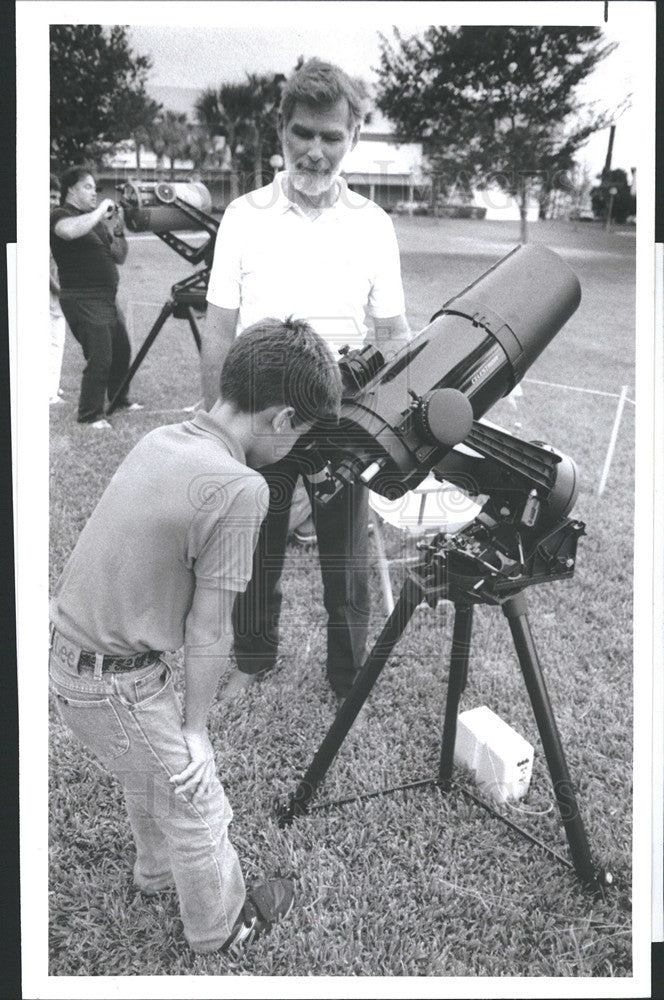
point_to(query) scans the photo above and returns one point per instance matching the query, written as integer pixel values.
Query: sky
(191, 56)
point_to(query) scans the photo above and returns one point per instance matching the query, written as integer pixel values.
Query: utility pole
(609, 153)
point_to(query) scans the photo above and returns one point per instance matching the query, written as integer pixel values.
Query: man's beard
(310, 182)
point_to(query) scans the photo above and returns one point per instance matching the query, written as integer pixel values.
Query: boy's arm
(208, 636)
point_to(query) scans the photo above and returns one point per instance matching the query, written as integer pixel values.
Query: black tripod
(186, 295)
(467, 570)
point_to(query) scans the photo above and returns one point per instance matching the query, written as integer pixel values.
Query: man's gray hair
(320, 85)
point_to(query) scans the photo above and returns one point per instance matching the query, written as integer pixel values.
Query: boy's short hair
(55, 183)
(282, 363)
(320, 85)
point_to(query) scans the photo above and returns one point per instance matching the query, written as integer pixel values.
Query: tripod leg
(515, 610)
(194, 326)
(463, 624)
(167, 310)
(409, 598)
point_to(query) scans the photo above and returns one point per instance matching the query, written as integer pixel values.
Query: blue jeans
(132, 723)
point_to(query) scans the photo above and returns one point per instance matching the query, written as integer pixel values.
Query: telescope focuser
(359, 367)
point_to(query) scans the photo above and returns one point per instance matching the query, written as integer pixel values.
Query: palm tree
(228, 112)
(169, 136)
(268, 94)
(245, 115)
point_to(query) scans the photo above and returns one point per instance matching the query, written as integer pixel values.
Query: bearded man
(307, 246)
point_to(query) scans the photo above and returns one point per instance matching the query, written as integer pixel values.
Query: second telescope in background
(151, 206)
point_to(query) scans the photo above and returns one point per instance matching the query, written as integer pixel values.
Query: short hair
(72, 176)
(282, 363)
(320, 85)
(55, 183)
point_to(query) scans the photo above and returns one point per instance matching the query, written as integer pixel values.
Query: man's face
(55, 198)
(83, 194)
(314, 143)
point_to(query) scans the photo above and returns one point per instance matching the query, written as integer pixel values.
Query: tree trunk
(258, 165)
(523, 210)
(137, 146)
(235, 187)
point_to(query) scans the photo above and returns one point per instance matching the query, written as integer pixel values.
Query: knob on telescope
(445, 417)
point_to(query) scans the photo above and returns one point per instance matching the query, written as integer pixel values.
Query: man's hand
(196, 779)
(106, 208)
(73, 227)
(114, 219)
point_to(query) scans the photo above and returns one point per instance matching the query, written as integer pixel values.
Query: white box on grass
(500, 759)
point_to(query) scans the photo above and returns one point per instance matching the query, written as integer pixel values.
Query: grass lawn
(411, 883)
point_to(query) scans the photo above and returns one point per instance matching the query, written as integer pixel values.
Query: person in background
(306, 244)
(58, 323)
(88, 243)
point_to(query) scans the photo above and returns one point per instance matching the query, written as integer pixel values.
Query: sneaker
(55, 399)
(126, 405)
(100, 425)
(265, 905)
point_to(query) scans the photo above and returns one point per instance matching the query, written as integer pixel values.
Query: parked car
(412, 208)
(581, 215)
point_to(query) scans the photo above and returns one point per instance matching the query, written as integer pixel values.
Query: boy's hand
(196, 779)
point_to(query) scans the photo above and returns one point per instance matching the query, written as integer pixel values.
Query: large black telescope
(400, 419)
(421, 412)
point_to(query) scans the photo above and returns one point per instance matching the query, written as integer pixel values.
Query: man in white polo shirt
(307, 246)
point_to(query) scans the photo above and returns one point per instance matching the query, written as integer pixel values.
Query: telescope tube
(476, 349)
(152, 207)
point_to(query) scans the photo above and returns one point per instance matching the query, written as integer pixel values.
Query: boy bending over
(158, 566)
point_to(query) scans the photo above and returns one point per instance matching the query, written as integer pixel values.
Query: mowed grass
(411, 883)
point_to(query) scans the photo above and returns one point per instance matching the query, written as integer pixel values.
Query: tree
(139, 113)
(265, 139)
(622, 203)
(98, 96)
(169, 136)
(245, 115)
(495, 104)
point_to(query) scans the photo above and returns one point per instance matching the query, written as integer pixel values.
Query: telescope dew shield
(152, 206)
(522, 301)
(477, 348)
